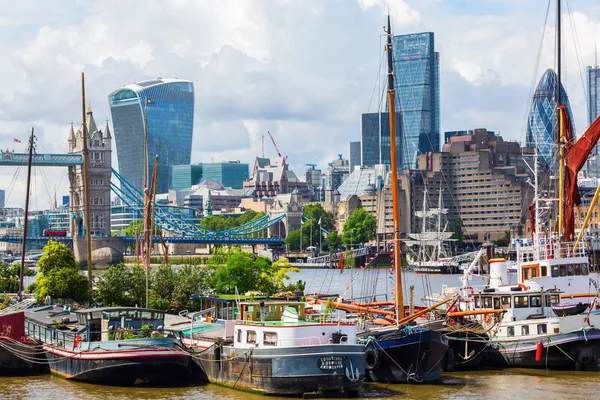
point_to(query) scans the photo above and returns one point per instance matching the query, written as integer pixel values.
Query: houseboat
(115, 345)
(272, 348)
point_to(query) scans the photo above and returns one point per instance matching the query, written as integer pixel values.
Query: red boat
(19, 355)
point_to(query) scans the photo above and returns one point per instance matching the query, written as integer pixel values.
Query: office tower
(375, 139)
(169, 106)
(229, 174)
(417, 85)
(593, 103)
(354, 158)
(542, 122)
(2, 197)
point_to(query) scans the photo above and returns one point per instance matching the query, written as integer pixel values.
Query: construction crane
(312, 166)
(285, 157)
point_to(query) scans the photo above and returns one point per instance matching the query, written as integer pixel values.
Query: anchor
(352, 375)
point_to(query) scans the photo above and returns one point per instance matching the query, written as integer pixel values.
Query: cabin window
(496, 303)
(526, 274)
(251, 337)
(585, 270)
(544, 270)
(555, 272)
(555, 299)
(577, 268)
(477, 302)
(525, 330)
(563, 270)
(541, 328)
(487, 302)
(570, 270)
(505, 301)
(521, 301)
(510, 331)
(270, 339)
(535, 301)
(533, 272)
(239, 336)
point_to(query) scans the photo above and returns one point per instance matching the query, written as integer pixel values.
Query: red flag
(149, 100)
(341, 263)
(17, 140)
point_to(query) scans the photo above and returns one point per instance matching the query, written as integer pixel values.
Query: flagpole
(301, 223)
(320, 239)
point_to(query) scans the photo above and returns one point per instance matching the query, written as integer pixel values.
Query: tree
(240, 271)
(292, 240)
(503, 241)
(59, 275)
(455, 226)
(164, 280)
(333, 240)
(359, 227)
(112, 287)
(9, 277)
(274, 275)
(311, 229)
(190, 280)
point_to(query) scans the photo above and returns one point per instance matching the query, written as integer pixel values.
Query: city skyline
(256, 68)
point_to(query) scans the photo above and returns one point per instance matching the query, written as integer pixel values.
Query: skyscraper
(542, 122)
(417, 85)
(375, 139)
(593, 103)
(354, 157)
(169, 106)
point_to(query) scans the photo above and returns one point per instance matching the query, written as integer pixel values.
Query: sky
(304, 70)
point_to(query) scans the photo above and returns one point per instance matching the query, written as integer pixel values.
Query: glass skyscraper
(417, 85)
(375, 139)
(542, 122)
(593, 103)
(169, 105)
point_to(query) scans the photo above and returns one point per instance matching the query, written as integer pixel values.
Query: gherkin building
(542, 122)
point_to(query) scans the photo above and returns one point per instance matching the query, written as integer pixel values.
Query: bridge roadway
(156, 239)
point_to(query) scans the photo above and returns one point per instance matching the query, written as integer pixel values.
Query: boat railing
(548, 250)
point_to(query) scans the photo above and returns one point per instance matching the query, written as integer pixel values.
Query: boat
(526, 330)
(401, 352)
(272, 348)
(431, 255)
(20, 355)
(113, 345)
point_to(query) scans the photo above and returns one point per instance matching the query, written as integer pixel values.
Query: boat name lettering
(331, 362)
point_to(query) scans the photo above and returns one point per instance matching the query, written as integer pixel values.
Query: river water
(491, 384)
(507, 384)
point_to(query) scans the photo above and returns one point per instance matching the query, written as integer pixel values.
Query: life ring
(487, 318)
(522, 286)
(470, 291)
(371, 358)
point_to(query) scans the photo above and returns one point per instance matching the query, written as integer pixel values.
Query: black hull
(155, 371)
(13, 365)
(571, 351)
(414, 358)
(285, 371)
(466, 351)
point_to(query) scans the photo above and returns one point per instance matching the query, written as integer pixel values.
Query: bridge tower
(99, 147)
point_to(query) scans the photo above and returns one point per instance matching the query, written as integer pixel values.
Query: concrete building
(483, 181)
(272, 176)
(337, 172)
(417, 85)
(100, 171)
(169, 107)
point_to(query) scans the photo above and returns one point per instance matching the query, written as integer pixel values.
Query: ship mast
(24, 242)
(561, 129)
(398, 299)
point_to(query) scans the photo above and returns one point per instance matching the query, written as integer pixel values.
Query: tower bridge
(109, 249)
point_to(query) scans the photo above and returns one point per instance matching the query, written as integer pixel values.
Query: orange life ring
(522, 286)
(470, 291)
(487, 318)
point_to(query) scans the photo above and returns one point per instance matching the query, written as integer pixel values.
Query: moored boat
(19, 355)
(114, 345)
(274, 349)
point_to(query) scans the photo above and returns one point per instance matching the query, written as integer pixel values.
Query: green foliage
(223, 223)
(9, 277)
(59, 275)
(360, 227)
(292, 241)
(502, 242)
(56, 256)
(164, 279)
(333, 240)
(136, 228)
(122, 286)
(455, 226)
(277, 273)
(311, 233)
(68, 283)
(189, 281)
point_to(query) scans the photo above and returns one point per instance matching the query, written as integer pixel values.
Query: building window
(251, 337)
(541, 329)
(270, 339)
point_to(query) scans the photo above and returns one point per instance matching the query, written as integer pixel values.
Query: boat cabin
(518, 304)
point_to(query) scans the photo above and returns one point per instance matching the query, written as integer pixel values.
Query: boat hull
(286, 370)
(466, 350)
(161, 363)
(568, 351)
(414, 358)
(18, 358)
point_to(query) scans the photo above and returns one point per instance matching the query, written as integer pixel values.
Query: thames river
(502, 384)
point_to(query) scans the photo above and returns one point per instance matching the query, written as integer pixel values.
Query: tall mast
(439, 224)
(86, 183)
(561, 135)
(398, 299)
(24, 241)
